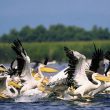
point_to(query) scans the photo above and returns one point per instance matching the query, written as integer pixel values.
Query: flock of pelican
(80, 79)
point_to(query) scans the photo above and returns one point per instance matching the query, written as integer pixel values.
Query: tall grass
(53, 50)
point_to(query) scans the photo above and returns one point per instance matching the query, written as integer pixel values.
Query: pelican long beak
(48, 69)
(14, 84)
(102, 78)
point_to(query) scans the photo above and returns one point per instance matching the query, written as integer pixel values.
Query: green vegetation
(56, 33)
(53, 50)
(41, 42)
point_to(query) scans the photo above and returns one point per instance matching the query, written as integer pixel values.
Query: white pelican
(106, 84)
(6, 90)
(75, 72)
(77, 68)
(24, 69)
(37, 79)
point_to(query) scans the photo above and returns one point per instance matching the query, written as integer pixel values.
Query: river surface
(100, 102)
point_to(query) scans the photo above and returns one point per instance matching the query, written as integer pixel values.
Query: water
(100, 102)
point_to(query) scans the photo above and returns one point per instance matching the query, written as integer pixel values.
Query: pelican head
(43, 67)
(78, 55)
(71, 54)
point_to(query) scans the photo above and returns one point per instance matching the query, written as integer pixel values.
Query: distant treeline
(57, 32)
(52, 50)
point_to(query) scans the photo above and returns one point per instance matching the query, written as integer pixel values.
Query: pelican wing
(58, 77)
(12, 70)
(58, 83)
(76, 71)
(72, 65)
(97, 59)
(46, 61)
(21, 53)
(23, 61)
(18, 48)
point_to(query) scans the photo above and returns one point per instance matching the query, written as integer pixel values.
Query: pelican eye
(12, 90)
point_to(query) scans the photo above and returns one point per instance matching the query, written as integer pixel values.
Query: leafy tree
(57, 32)
(39, 33)
(26, 33)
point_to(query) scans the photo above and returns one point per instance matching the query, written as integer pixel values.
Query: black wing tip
(94, 46)
(98, 53)
(17, 43)
(17, 47)
(97, 57)
(72, 66)
(46, 60)
(66, 49)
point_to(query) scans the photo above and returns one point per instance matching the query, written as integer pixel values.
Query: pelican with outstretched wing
(23, 68)
(97, 63)
(60, 82)
(106, 84)
(74, 75)
(78, 71)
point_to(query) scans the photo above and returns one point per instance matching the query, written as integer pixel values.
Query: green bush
(53, 50)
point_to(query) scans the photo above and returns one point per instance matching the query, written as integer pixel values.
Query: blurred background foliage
(52, 50)
(55, 33)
